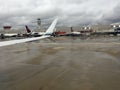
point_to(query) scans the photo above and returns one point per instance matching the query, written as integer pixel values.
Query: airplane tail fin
(51, 29)
(27, 29)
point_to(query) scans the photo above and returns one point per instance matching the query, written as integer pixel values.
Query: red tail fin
(27, 29)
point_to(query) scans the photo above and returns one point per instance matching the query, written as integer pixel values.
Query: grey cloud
(70, 12)
(113, 16)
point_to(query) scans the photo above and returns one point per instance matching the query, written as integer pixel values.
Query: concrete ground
(65, 63)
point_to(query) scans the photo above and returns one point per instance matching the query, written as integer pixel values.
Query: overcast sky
(70, 12)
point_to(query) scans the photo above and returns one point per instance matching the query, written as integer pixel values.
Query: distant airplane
(36, 34)
(47, 34)
(73, 33)
(8, 35)
(32, 33)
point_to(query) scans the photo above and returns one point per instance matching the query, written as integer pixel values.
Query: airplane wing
(47, 34)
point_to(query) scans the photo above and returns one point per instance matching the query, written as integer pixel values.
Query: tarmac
(62, 63)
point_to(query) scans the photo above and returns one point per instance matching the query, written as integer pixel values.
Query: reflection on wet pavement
(67, 64)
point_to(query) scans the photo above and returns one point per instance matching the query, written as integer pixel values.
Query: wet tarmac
(62, 63)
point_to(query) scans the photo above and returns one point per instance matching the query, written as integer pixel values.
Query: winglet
(50, 30)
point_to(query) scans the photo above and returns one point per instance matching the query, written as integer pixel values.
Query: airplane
(47, 34)
(73, 33)
(8, 35)
(32, 33)
(27, 34)
(35, 34)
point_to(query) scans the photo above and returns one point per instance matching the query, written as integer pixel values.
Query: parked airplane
(32, 33)
(35, 34)
(73, 33)
(8, 35)
(47, 34)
